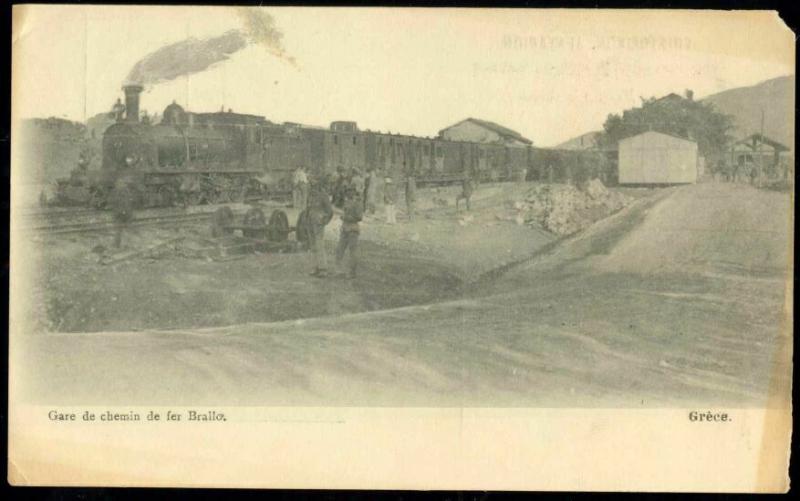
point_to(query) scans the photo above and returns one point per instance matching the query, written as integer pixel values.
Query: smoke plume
(260, 28)
(185, 57)
(194, 55)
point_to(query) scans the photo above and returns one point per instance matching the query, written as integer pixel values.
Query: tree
(676, 115)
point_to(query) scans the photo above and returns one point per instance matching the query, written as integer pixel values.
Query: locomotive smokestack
(132, 92)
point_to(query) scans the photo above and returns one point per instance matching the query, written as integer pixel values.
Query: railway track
(108, 224)
(81, 220)
(56, 212)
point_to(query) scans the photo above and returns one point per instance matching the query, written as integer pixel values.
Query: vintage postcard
(401, 248)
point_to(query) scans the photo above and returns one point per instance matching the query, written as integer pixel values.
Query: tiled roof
(504, 132)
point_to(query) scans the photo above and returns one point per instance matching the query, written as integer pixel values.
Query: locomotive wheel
(212, 196)
(241, 191)
(241, 195)
(166, 196)
(222, 196)
(302, 230)
(278, 230)
(223, 217)
(98, 199)
(255, 217)
(191, 198)
(256, 222)
(225, 196)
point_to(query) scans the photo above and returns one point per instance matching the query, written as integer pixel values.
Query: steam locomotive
(192, 158)
(187, 158)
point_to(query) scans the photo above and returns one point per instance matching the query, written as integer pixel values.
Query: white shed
(657, 158)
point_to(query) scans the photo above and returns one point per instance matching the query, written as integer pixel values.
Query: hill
(775, 97)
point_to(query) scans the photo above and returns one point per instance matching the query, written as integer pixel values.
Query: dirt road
(681, 298)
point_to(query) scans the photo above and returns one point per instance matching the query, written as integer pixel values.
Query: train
(193, 158)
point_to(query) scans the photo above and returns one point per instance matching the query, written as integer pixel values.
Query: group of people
(352, 194)
(319, 210)
(366, 184)
(749, 171)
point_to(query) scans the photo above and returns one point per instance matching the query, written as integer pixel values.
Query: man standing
(118, 110)
(365, 193)
(83, 163)
(348, 239)
(300, 192)
(738, 169)
(388, 201)
(319, 215)
(370, 191)
(340, 186)
(122, 204)
(357, 182)
(466, 192)
(78, 175)
(719, 172)
(753, 172)
(411, 196)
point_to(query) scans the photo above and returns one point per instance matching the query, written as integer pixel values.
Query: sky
(549, 74)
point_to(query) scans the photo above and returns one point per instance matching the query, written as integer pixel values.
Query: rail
(90, 220)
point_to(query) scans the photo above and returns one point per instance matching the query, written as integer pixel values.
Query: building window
(354, 139)
(427, 149)
(335, 139)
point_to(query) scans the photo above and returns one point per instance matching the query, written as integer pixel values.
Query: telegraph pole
(760, 155)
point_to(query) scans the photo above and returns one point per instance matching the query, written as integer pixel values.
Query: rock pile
(564, 209)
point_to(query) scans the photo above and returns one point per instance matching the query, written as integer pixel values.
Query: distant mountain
(775, 97)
